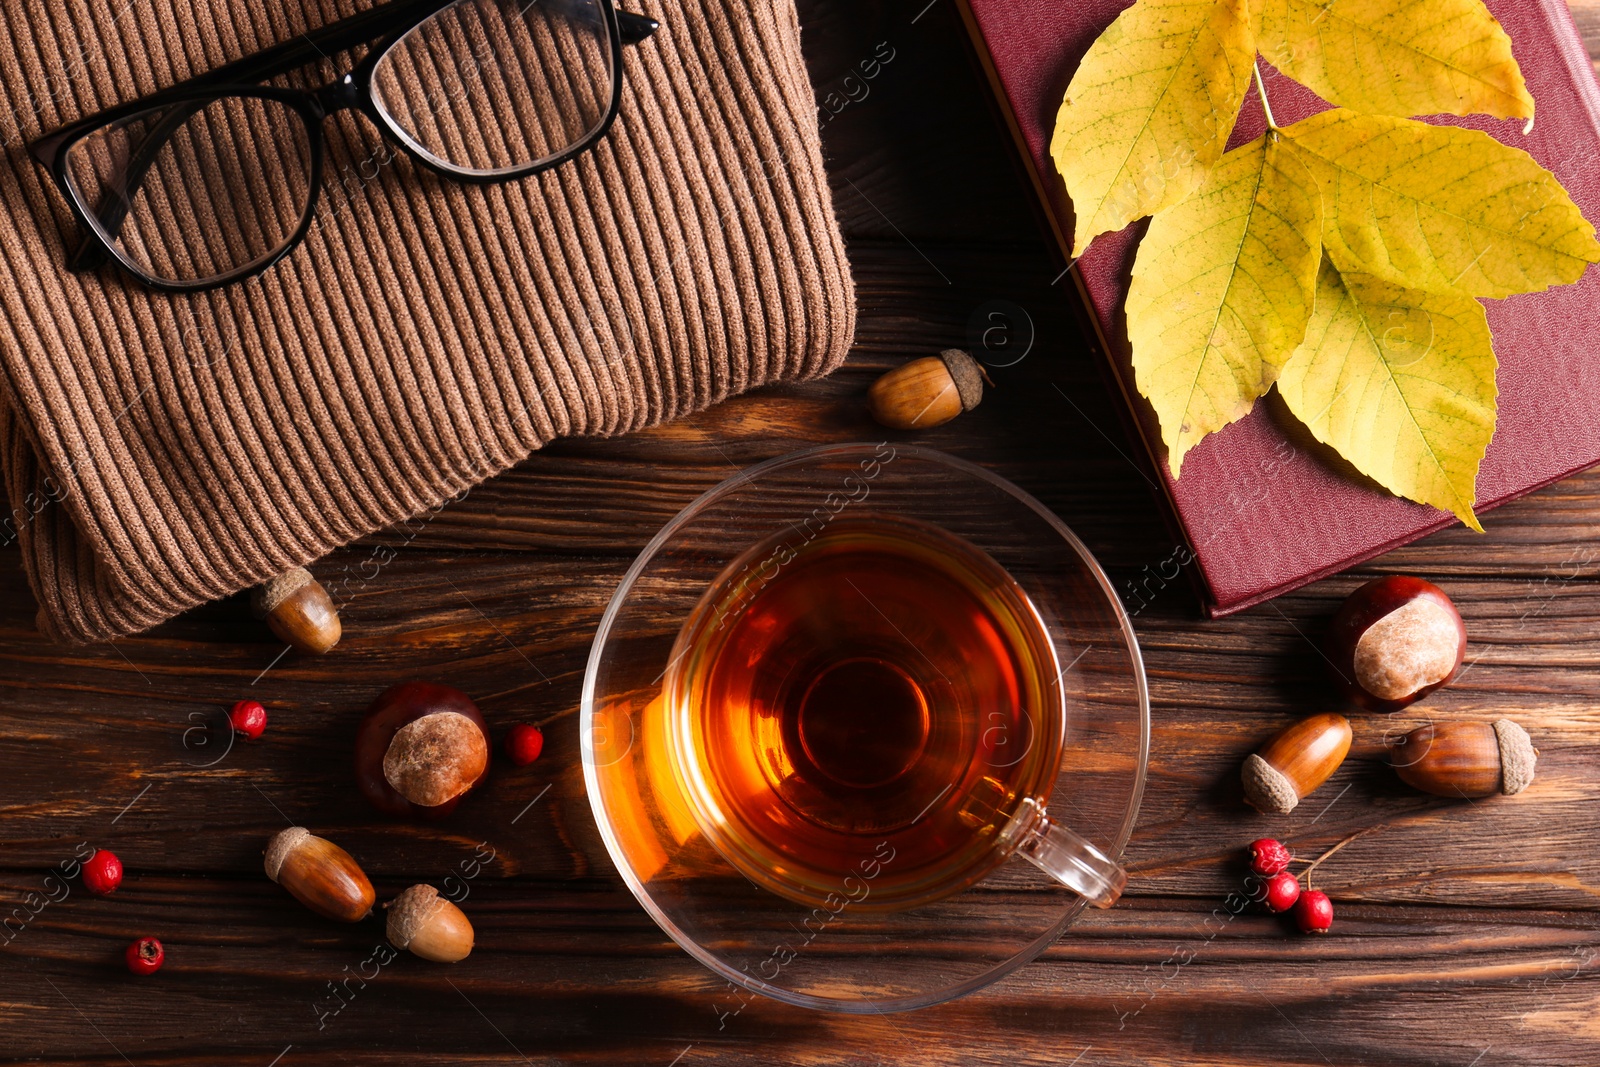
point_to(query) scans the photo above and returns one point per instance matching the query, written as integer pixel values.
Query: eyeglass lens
(196, 191)
(498, 85)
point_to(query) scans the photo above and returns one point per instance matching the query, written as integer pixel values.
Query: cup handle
(1062, 854)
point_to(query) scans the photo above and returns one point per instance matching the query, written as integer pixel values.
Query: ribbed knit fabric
(160, 451)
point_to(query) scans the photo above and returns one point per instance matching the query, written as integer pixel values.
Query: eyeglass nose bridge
(341, 94)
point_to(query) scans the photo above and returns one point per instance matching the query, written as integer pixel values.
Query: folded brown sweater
(160, 451)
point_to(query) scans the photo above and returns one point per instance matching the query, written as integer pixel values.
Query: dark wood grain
(1467, 933)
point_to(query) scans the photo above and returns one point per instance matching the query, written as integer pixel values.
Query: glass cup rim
(620, 599)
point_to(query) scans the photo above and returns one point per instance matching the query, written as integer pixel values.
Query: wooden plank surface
(1468, 934)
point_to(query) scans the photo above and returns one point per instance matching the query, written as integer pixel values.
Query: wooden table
(1467, 934)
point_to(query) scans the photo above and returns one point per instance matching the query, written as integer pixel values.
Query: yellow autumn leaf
(1397, 57)
(1441, 208)
(1150, 109)
(1222, 289)
(1401, 383)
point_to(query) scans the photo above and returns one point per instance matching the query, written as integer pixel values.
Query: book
(1263, 506)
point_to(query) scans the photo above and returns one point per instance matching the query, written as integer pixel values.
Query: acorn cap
(1265, 787)
(967, 375)
(1517, 757)
(280, 847)
(410, 912)
(265, 598)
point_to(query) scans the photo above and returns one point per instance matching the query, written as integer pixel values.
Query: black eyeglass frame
(387, 24)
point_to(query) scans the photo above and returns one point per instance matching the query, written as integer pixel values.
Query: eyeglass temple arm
(290, 55)
(361, 28)
(636, 28)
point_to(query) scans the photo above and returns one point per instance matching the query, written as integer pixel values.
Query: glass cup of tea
(831, 703)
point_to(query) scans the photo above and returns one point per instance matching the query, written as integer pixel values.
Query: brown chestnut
(420, 748)
(1394, 641)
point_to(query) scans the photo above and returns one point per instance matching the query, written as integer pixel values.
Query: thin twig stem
(1306, 874)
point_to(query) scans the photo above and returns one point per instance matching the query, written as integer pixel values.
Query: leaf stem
(1261, 91)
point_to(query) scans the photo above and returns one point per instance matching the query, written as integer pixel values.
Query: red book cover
(1263, 506)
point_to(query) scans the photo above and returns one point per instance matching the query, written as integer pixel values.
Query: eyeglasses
(216, 179)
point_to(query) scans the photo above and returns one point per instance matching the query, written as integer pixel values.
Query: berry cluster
(1281, 890)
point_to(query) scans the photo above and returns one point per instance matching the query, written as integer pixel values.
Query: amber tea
(853, 713)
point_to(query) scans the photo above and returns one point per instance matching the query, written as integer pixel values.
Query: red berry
(1314, 912)
(249, 718)
(145, 956)
(102, 873)
(1283, 889)
(524, 743)
(1268, 857)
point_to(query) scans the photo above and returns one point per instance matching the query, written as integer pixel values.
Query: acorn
(299, 611)
(1295, 761)
(320, 875)
(927, 392)
(425, 924)
(1465, 759)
